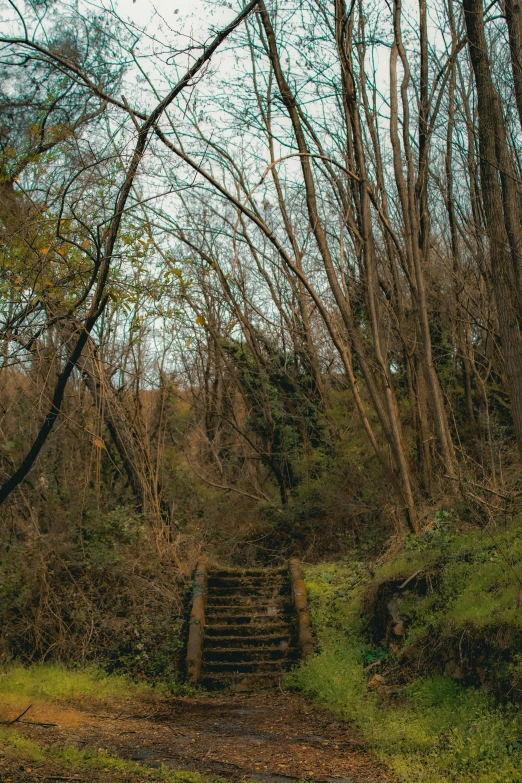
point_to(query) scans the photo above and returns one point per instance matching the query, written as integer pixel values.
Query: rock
(481, 673)
(453, 670)
(389, 690)
(376, 682)
(393, 608)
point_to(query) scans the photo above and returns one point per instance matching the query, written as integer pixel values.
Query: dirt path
(268, 737)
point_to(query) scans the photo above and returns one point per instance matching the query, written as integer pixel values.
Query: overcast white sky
(187, 17)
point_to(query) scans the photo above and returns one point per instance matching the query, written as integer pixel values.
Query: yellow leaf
(99, 443)
(200, 319)
(47, 282)
(85, 244)
(61, 251)
(45, 250)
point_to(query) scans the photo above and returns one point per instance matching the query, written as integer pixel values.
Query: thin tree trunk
(386, 410)
(493, 152)
(513, 12)
(417, 226)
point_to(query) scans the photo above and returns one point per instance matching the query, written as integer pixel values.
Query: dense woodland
(261, 293)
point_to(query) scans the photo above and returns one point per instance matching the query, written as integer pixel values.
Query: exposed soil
(271, 737)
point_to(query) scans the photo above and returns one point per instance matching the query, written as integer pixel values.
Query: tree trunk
(493, 158)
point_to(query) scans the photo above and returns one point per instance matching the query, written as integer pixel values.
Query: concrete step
(246, 599)
(252, 640)
(241, 682)
(255, 621)
(254, 590)
(267, 625)
(249, 655)
(247, 604)
(220, 611)
(238, 667)
(243, 573)
(218, 582)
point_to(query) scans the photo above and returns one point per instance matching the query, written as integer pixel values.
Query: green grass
(74, 760)
(54, 682)
(436, 730)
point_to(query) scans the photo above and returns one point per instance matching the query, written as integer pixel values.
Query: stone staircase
(247, 627)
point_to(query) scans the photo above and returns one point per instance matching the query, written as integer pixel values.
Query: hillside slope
(423, 652)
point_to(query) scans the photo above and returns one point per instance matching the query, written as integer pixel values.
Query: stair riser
(218, 583)
(250, 601)
(254, 590)
(254, 667)
(249, 656)
(219, 613)
(248, 573)
(250, 607)
(260, 640)
(241, 682)
(270, 626)
(245, 614)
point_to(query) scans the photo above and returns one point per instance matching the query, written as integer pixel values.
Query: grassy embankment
(55, 689)
(434, 728)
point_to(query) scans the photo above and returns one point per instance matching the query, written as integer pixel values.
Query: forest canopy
(264, 267)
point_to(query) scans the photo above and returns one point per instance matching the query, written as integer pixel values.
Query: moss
(479, 574)
(16, 746)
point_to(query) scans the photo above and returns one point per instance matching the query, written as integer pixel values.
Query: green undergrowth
(434, 729)
(479, 573)
(95, 592)
(70, 759)
(55, 682)
(46, 682)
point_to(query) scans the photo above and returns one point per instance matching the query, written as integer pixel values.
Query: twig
(485, 489)
(222, 486)
(109, 717)
(10, 722)
(372, 666)
(408, 580)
